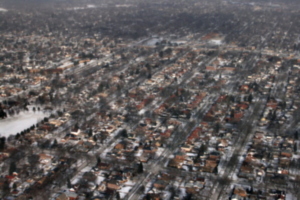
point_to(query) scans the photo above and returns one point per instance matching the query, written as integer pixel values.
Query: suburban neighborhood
(176, 113)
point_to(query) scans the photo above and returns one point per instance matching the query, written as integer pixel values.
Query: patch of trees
(87, 55)
(201, 152)
(123, 133)
(2, 143)
(10, 103)
(140, 168)
(12, 168)
(3, 114)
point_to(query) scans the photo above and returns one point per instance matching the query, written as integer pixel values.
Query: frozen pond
(216, 41)
(17, 123)
(153, 41)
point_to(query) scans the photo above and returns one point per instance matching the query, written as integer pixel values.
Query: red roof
(238, 115)
(9, 177)
(242, 106)
(195, 134)
(221, 98)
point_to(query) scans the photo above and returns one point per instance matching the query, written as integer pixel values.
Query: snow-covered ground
(3, 10)
(77, 177)
(17, 123)
(216, 41)
(91, 6)
(141, 112)
(82, 8)
(153, 41)
(124, 191)
(124, 5)
(159, 151)
(290, 197)
(99, 179)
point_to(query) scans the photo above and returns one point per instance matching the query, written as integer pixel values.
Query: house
(147, 148)
(145, 157)
(211, 164)
(240, 192)
(180, 156)
(272, 103)
(214, 155)
(160, 184)
(104, 166)
(211, 68)
(153, 196)
(71, 195)
(286, 154)
(167, 133)
(193, 186)
(246, 168)
(194, 135)
(121, 145)
(186, 148)
(44, 158)
(102, 187)
(228, 70)
(244, 88)
(113, 185)
(242, 106)
(62, 196)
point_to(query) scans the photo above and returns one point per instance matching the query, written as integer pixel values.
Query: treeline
(2, 114)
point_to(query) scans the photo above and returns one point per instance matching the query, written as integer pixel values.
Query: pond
(17, 123)
(152, 41)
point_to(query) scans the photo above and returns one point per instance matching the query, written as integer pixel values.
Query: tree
(5, 188)
(296, 135)
(76, 126)
(14, 186)
(98, 160)
(233, 160)
(217, 127)
(90, 132)
(202, 149)
(224, 181)
(295, 187)
(2, 143)
(123, 133)
(250, 98)
(161, 54)
(33, 161)
(188, 196)
(46, 119)
(54, 144)
(141, 189)
(89, 176)
(168, 51)
(95, 139)
(118, 196)
(12, 168)
(69, 183)
(2, 114)
(60, 113)
(16, 137)
(140, 168)
(147, 197)
(172, 190)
